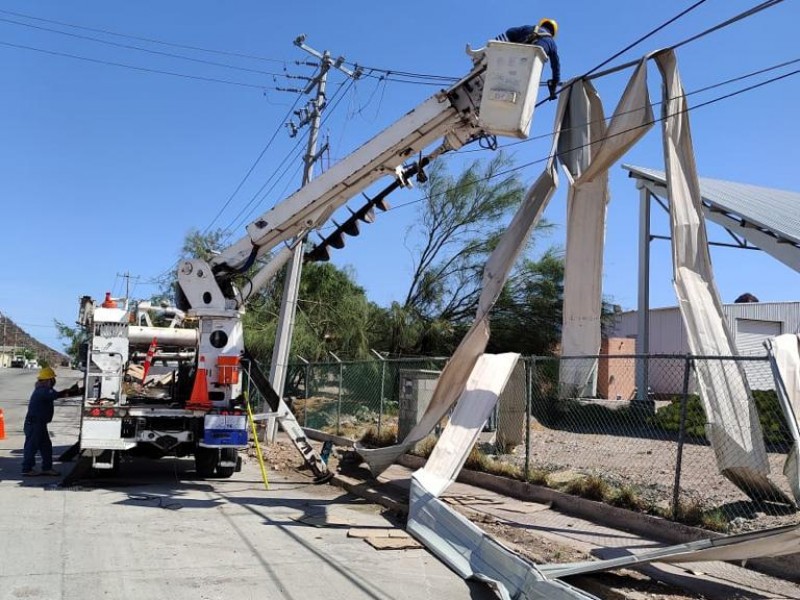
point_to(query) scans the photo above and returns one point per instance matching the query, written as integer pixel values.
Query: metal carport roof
(766, 218)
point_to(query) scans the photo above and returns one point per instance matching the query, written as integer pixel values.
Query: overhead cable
(657, 120)
(144, 39)
(140, 49)
(736, 18)
(253, 166)
(136, 68)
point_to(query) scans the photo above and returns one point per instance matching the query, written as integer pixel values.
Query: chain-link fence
(631, 430)
(648, 445)
(350, 398)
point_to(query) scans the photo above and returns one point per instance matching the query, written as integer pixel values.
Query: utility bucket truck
(197, 408)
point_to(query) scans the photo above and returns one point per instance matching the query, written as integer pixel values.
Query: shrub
(627, 497)
(386, 437)
(538, 477)
(770, 415)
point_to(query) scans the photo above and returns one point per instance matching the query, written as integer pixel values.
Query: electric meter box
(510, 87)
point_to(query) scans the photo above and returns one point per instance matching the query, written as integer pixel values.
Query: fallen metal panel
(473, 554)
(768, 543)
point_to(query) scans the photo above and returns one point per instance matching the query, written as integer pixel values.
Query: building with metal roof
(756, 218)
(759, 217)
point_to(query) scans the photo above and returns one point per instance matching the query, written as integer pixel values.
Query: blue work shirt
(523, 35)
(40, 407)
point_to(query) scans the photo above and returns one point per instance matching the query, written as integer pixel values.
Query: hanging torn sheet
(587, 149)
(454, 376)
(784, 358)
(733, 427)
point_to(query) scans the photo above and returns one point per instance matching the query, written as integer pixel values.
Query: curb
(648, 526)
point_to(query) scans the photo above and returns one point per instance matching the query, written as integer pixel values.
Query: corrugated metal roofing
(775, 210)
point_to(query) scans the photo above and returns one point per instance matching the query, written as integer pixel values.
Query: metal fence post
(383, 384)
(306, 373)
(688, 364)
(529, 366)
(308, 394)
(339, 398)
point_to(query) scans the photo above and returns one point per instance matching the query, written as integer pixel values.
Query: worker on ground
(40, 413)
(541, 35)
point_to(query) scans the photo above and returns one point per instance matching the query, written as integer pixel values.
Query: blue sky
(104, 169)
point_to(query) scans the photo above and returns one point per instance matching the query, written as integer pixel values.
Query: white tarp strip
(733, 427)
(452, 537)
(784, 353)
(454, 376)
(741, 547)
(587, 150)
(484, 385)
(458, 542)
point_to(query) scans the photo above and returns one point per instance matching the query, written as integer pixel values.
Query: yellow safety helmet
(46, 373)
(551, 23)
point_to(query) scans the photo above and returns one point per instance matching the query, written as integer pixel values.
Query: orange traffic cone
(2, 425)
(199, 399)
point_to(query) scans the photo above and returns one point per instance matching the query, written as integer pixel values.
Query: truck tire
(205, 461)
(228, 455)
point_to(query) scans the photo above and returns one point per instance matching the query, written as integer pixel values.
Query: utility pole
(127, 275)
(310, 116)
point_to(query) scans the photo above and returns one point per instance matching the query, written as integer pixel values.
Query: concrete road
(156, 531)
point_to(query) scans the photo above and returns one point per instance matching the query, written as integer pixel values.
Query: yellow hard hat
(550, 23)
(46, 373)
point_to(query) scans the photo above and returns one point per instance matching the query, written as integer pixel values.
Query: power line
(136, 68)
(144, 39)
(736, 18)
(657, 103)
(335, 100)
(253, 166)
(548, 157)
(148, 50)
(643, 38)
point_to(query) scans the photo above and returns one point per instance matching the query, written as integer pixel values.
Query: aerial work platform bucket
(511, 84)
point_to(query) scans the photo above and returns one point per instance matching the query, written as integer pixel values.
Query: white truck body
(497, 97)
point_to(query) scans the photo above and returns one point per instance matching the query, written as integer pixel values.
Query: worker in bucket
(40, 413)
(542, 35)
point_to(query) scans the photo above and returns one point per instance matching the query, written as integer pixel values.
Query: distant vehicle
(32, 363)
(18, 362)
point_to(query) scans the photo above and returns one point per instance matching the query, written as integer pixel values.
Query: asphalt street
(158, 531)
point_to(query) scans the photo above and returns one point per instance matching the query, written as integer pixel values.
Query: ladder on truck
(287, 421)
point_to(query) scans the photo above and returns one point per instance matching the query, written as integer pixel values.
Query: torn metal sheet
(483, 388)
(741, 547)
(733, 427)
(784, 359)
(473, 554)
(454, 376)
(587, 150)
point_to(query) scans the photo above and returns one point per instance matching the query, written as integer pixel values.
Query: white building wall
(667, 336)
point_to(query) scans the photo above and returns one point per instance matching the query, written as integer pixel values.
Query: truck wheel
(228, 455)
(205, 461)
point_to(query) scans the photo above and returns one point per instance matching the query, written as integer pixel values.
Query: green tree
(333, 314)
(527, 316)
(461, 220)
(73, 338)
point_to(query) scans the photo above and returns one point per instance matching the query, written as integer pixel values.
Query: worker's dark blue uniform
(37, 438)
(538, 36)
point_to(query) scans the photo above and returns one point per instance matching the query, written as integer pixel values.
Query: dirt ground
(623, 584)
(649, 466)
